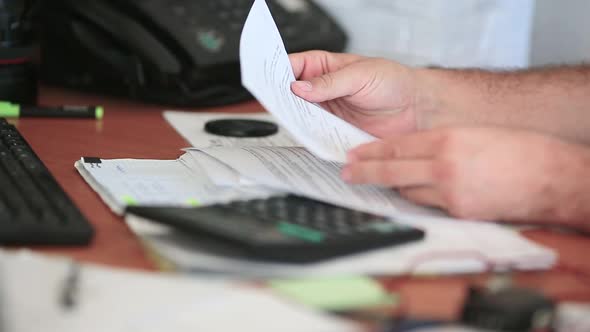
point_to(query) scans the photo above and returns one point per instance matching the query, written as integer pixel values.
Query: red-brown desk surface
(135, 130)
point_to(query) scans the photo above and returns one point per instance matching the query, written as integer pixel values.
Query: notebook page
(181, 182)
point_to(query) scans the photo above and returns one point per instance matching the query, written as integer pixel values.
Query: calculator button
(301, 232)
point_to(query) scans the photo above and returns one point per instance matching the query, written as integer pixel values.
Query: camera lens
(18, 76)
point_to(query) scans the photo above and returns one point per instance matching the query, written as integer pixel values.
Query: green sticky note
(129, 200)
(335, 294)
(193, 202)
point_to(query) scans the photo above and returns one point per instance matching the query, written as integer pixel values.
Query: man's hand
(482, 173)
(376, 95)
(385, 98)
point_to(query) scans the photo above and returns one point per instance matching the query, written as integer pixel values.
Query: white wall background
(468, 33)
(561, 32)
(454, 33)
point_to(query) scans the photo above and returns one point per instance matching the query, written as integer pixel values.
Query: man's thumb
(326, 87)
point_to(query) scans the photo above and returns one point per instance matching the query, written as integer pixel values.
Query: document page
(181, 182)
(295, 169)
(267, 74)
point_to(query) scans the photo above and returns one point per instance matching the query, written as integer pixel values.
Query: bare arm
(551, 100)
(386, 98)
(477, 171)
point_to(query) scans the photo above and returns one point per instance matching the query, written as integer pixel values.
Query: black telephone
(176, 52)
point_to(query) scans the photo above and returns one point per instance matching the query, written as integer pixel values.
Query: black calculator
(285, 228)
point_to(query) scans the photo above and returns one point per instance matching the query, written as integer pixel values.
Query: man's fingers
(396, 174)
(414, 178)
(423, 144)
(423, 195)
(310, 64)
(381, 149)
(336, 84)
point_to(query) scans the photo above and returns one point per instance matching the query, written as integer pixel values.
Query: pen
(69, 291)
(10, 110)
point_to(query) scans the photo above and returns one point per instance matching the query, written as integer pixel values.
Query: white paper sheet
(267, 74)
(118, 300)
(572, 317)
(295, 169)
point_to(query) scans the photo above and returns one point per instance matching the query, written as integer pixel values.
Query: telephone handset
(177, 52)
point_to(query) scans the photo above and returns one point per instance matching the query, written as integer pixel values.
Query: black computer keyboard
(34, 209)
(285, 228)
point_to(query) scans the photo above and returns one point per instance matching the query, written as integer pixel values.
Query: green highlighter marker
(10, 110)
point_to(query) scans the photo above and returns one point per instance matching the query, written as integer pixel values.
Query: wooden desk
(135, 130)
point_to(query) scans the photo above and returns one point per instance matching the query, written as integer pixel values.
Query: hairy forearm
(553, 100)
(566, 191)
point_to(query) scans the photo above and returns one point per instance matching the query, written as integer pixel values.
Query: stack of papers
(450, 246)
(218, 169)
